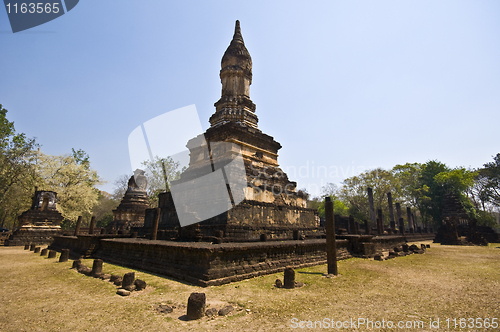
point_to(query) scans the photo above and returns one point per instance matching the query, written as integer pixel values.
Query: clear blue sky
(346, 85)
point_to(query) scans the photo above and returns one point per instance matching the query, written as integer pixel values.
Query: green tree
(160, 172)
(355, 196)
(17, 171)
(491, 172)
(75, 183)
(103, 209)
(318, 203)
(431, 192)
(407, 184)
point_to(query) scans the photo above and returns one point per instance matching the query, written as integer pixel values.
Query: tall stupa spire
(237, 33)
(236, 76)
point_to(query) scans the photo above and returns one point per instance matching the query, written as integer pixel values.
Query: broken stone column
(391, 212)
(97, 268)
(52, 254)
(128, 280)
(76, 264)
(372, 208)
(331, 245)
(367, 227)
(398, 215)
(92, 225)
(156, 221)
(37, 250)
(380, 226)
(78, 224)
(32, 247)
(353, 225)
(26, 247)
(196, 305)
(289, 278)
(44, 252)
(401, 226)
(64, 255)
(410, 221)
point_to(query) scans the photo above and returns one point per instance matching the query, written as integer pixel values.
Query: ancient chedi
(270, 203)
(130, 212)
(40, 223)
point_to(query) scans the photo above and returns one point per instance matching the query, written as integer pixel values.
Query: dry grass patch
(38, 294)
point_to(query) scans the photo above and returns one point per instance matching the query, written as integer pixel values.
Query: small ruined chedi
(270, 203)
(130, 212)
(40, 223)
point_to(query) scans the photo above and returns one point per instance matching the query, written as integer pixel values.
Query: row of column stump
(49, 253)
(128, 283)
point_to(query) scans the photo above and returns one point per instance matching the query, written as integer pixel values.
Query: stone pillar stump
(64, 255)
(196, 306)
(97, 268)
(289, 278)
(128, 279)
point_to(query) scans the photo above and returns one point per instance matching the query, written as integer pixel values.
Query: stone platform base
(416, 237)
(33, 236)
(83, 245)
(207, 264)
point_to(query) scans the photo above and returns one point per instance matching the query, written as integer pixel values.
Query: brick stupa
(40, 223)
(271, 204)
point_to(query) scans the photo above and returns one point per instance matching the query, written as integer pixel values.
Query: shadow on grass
(304, 272)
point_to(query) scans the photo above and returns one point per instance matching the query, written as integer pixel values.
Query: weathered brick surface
(82, 245)
(206, 264)
(40, 237)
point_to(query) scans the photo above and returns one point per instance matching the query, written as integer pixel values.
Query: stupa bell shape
(236, 76)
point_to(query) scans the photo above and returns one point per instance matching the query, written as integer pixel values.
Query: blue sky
(344, 86)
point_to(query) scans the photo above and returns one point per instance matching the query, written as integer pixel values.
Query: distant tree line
(422, 188)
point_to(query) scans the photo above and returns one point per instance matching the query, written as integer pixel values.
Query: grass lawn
(38, 294)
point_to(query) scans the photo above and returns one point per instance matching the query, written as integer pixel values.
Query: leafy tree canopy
(75, 183)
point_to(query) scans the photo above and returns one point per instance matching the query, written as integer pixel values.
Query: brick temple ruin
(270, 229)
(130, 213)
(458, 228)
(269, 203)
(40, 223)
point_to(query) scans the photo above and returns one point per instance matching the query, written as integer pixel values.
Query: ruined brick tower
(271, 205)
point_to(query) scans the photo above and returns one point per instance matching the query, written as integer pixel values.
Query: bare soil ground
(40, 294)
